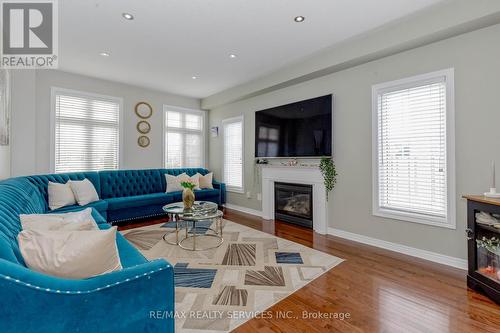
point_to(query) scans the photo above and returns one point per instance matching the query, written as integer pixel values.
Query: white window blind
(87, 132)
(233, 153)
(411, 154)
(184, 138)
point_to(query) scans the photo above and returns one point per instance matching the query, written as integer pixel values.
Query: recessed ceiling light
(128, 16)
(104, 54)
(194, 77)
(232, 56)
(299, 18)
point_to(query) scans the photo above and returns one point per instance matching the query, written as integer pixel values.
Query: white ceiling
(169, 41)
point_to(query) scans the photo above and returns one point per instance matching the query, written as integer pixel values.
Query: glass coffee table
(190, 220)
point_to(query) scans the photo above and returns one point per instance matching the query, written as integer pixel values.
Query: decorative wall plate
(143, 110)
(143, 127)
(143, 141)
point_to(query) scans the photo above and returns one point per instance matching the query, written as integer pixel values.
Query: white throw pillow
(72, 221)
(174, 182)
(70, 254)
(206, 181)
(60, 195)
(195, 179)
(84, 191)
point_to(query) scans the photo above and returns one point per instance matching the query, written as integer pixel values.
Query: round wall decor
(143, 127)
(143, 141)
(143, 110)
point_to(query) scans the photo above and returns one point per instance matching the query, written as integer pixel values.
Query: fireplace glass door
(293, 203)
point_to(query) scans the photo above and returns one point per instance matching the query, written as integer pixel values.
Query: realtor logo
(29, 34)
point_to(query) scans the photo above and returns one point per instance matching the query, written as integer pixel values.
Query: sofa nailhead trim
(58, 291)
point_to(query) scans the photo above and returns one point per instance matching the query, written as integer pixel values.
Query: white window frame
(203, 114)
(450, 220)
(229, 188)
(54, 91)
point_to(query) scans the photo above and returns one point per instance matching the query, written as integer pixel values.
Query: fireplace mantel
(296, 175)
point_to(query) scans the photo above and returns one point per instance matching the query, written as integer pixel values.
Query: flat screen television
(301, 129)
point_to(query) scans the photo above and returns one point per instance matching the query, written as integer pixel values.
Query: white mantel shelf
(309, 175)
(274, 166)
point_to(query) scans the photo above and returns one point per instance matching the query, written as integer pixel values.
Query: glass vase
(188, 198)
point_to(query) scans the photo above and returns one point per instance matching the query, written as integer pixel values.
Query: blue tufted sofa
(130, 194)
(121, 301)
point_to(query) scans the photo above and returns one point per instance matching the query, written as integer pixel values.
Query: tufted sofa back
(42, 181)
(124, 183)
(17, 196)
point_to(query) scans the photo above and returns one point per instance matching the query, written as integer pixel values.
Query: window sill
(414, 218)
(235, 190)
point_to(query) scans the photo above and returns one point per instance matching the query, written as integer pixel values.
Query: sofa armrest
(222, 188)
(119, 301)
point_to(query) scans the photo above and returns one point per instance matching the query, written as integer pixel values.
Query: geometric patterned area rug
(219, 289)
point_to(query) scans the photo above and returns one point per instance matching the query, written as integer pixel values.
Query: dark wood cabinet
(484, 264)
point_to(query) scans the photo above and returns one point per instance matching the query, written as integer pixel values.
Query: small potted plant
(188, 194)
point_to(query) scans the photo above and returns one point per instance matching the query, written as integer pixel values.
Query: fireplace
(293, 203)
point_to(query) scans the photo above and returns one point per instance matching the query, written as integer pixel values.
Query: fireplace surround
(310, 175)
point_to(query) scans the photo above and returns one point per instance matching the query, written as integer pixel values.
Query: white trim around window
(183, 130)
(57, 91)
(240, 187)
(398, 109)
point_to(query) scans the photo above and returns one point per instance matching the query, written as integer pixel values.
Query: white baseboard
(244, 209)
(399, 248)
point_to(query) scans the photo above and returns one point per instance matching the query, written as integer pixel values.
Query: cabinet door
(484, 262)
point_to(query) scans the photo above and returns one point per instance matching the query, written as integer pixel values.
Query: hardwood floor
(379, 291)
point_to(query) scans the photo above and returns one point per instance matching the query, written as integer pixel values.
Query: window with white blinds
(414, 168)
(86, 131)
(184, 138)
(232, 130)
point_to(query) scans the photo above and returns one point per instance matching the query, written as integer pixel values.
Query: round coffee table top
(200, 209)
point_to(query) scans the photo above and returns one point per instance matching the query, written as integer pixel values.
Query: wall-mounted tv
(301, 129)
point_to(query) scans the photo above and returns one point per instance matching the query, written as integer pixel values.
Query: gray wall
(4, 102)
(23, 122)
(31, 111)
(4, 162)
(475, 57)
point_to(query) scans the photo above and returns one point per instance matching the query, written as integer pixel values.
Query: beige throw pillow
(195, 179)
(174, 182)
(206, 181)
(60, 195)
(72, 221)
(84, 191)
(70, 254)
